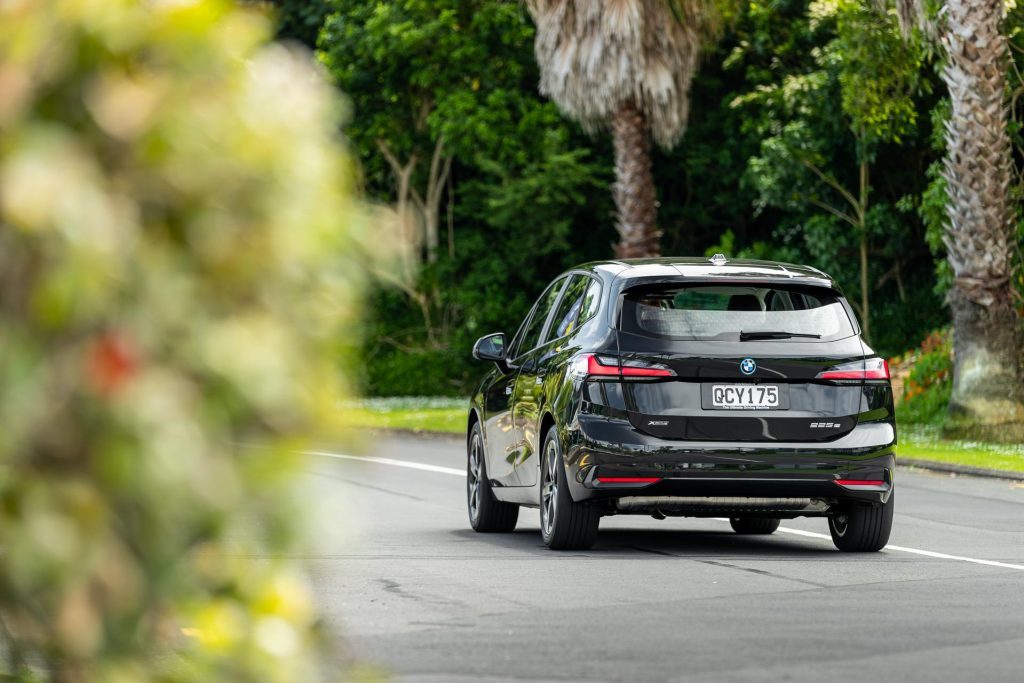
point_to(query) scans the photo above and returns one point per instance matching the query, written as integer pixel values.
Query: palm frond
(595, 56)
(914, 14)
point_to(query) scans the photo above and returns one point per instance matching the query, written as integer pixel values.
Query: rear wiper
(752, 336)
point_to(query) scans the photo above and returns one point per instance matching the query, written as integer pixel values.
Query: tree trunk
(430, 203)
(635, 198)
(986, 402)
(988, 397)
(862, 212)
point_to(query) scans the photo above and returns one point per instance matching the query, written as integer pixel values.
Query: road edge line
(389, 461)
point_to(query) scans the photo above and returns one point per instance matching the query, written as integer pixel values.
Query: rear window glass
(736, 312)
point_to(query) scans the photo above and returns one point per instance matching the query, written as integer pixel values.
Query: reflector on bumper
(862, 484)
(628, 480)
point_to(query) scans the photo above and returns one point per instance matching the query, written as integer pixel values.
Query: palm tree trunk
(986, 402)
(988, 396)
(635, 197)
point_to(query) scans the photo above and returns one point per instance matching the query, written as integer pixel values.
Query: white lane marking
(388, 461)
(796, 532)
(914, 551)
(958, 558)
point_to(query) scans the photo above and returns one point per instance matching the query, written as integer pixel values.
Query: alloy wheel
(549, 488)
(473, 477)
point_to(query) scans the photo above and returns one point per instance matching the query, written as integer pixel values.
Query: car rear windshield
(736, 313)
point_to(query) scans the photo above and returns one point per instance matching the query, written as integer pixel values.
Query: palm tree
(624, 65)
(988, 391)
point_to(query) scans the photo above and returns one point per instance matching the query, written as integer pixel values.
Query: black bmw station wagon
(684, 387)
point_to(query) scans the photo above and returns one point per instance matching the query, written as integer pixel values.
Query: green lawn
(421, 414)
(424, 420)
(924, 444)
(442, 415)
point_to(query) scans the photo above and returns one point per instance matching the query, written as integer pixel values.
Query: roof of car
(673, 267)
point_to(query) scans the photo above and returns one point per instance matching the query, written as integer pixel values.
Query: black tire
(754, 525)
(564, 523)
(486, 513)
(862, 528)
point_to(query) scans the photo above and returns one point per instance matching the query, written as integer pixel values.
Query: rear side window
(578, 304)
(568, 308)
(591, 300)
(736, 312)
(531, 338)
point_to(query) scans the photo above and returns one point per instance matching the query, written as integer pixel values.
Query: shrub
(441, 372)
(173, 231)
(929, 383)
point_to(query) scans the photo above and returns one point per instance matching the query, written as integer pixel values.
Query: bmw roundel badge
(748, 366)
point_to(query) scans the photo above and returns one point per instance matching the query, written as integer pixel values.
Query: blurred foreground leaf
(174, 275)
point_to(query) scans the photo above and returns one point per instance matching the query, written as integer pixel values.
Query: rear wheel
(486, 513)
(564, 523)
(862, 528)
(754, 525)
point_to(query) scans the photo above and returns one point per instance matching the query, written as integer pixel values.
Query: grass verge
(420, 414)
(443, 415)
(924, 444)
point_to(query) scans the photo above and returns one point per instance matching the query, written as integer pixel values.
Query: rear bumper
(724, 472)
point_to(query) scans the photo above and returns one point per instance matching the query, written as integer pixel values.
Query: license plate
(745, 396)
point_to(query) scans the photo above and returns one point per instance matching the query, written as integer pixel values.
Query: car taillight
(593, 365)
(595, 368)
(871, 368)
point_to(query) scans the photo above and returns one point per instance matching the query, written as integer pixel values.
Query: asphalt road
(408, 586)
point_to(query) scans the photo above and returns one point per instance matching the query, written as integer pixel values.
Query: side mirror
(491, 347)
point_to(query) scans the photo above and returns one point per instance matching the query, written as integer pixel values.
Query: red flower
(113, 360)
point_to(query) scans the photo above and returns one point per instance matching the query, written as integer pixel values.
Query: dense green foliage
(792, 105)
(300, 20)
(527, 197)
